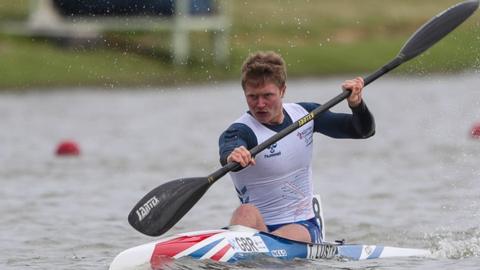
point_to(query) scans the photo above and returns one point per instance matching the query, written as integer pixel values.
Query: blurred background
(52, 43)
(101, 101)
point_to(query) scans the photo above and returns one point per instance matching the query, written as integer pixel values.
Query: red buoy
(68, 148)
(475, 133)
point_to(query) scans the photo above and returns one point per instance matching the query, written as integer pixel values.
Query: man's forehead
(262, 88)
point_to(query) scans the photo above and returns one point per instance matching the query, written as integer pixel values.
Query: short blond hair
(264, 67)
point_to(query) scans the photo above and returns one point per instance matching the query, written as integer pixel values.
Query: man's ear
(283, 90)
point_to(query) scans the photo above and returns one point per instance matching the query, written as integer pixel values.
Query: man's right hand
(242, 156)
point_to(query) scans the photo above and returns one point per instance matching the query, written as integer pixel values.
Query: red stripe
(220, 253)
(164, 251)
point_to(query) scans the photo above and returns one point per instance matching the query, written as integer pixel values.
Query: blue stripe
(202, 251)
(351, 251)
(376, 253)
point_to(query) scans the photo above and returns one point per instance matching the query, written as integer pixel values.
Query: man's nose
(261, 102)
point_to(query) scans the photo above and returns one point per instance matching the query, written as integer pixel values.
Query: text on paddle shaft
(145, 209)
(307, 118)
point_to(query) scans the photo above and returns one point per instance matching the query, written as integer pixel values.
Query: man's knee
(247, 210)
(248, 215)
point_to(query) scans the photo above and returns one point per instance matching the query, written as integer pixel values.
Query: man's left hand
(356, 87)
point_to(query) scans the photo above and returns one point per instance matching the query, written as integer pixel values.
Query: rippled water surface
(416, 183)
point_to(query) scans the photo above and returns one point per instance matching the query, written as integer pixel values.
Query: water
(416, 183)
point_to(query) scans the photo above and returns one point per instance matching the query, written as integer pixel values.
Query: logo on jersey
(272, 149)
(307, 135)
(242, 195)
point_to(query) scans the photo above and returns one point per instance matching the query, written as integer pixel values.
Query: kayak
(236, 243)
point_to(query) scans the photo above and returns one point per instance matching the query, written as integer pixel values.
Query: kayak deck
(240, 243)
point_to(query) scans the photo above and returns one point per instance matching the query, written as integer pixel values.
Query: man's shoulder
(238, 130)
(238, 126)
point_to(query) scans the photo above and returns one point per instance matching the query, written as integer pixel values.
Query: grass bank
(317, 38)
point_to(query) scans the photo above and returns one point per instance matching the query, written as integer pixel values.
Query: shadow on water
(256, 262)
(264, 262)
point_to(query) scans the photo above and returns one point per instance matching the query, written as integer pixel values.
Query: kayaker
(276, 187)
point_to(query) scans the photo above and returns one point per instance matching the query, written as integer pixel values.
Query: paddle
(165, 205)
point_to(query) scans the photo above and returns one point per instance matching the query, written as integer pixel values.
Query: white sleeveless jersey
(280, 184)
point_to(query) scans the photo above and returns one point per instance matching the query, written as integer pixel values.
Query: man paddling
(276, 187)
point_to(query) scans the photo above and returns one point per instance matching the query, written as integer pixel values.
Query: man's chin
(262, 119)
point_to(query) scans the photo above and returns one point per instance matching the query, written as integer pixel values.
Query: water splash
(456, 245)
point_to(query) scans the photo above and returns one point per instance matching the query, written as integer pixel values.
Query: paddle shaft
(213, 177)
(425, 37)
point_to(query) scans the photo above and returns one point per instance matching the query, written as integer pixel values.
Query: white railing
(46, 20)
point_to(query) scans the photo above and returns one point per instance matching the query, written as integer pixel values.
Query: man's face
(265, 102)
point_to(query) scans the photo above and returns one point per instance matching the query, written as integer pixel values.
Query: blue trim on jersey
(359, 124)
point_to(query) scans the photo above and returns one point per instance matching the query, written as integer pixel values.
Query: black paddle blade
(165, 205)
(437, 28)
